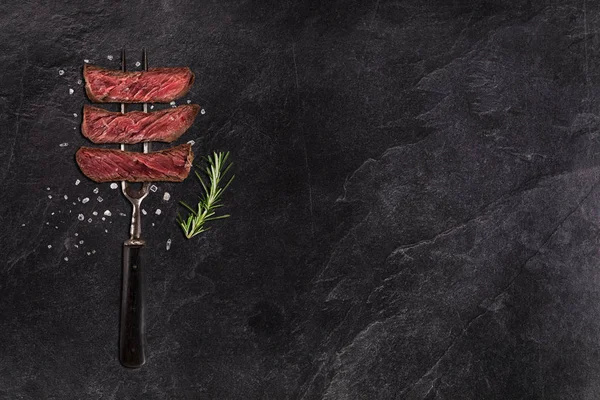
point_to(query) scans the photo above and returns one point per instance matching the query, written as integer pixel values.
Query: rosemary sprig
(216, 169)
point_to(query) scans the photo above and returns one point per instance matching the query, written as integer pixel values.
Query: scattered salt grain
(203, 111)
(158, 211)
(191, 142)
(47, 188)
(49, 196)
(22, 224)
(66, 258)
(49, 246)
(47, 223)
(88, 253)
(77, 234)
(71, 91)
(113, 185)
(107, 213)
(56, 227)
(166, 196)
(144, 211)
(89, 220)
(122, 214)
(61, 72)
(168, 244)
(189, 101)
(93, 251)
(173, 103)
(110, 57)
(81, 218)
(95, 213)
(137, 63)
(96, 190)
(85, 200)
(52, 214)
(76, 246)
(77, 182)
(100, 199)
(106, 230)
(103, 219)
(153, 188)
(75, 115)
(153, 224)
(79, 81)
(86, 61)
(64, 144)
(152, 107)
(81, 242)
(74, 203)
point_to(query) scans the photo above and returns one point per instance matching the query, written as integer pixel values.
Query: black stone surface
(415, 213)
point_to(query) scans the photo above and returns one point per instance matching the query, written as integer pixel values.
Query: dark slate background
(415, 215)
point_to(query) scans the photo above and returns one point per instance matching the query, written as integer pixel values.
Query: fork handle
(132, 338)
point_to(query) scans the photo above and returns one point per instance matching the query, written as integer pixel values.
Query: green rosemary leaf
(217, 167)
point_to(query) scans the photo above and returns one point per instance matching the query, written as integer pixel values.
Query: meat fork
(132, 336)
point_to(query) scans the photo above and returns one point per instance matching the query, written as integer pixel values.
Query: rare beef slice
(157, 85)
(101, 126)
(106, 165)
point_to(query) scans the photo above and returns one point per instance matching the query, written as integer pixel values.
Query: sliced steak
(157, 85)
(101, 126)
(105, 165)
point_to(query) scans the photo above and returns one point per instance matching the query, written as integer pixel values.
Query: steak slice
(101, 126)
(157, 85)
(105, 165)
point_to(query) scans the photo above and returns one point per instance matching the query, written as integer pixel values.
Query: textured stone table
(415, 213)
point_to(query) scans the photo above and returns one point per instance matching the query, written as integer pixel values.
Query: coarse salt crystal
(110, 57)
(85, 200)
(144, 211)
(49, 196)
(153, 188)
(89, 220)
(64, 144)
(75, 115)
(113, 185)
(203, 111)
(95, 213)
(168, 244)
(96, 190)
(191, 142)
(61, 72)
(137, 63)
(71, 91)
(66, 258)
(100, 199)
(107, 213)
(158, 212)
(166, 196)
(49, 246)
(81, 218)
(77, 182)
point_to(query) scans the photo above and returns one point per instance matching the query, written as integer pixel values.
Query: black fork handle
(132, 338)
